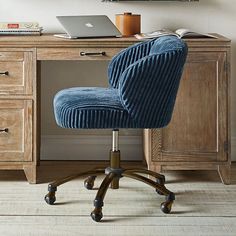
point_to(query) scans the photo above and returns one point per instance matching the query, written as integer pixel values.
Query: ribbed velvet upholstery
(150, 101)
(144, 81)
(125, 58)
(90, 108)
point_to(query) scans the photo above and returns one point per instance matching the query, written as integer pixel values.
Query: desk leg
(31, 169)
(30, 173)
(224, 172)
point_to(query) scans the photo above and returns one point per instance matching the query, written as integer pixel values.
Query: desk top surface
(48, 40)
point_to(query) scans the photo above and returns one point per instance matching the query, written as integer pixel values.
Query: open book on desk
(180, 33)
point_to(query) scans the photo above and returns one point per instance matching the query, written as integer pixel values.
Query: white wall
(207, 16)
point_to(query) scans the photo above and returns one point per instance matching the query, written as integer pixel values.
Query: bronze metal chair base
(113, 175)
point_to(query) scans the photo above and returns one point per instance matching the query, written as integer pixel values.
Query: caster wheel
(89, 182)
(88, 185)
(166, 207)
(96, 215)
(50, 198)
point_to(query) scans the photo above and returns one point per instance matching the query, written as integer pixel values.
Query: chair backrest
(147, 76)
(125, 58)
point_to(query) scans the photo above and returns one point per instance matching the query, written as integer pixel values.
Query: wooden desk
(20, 93)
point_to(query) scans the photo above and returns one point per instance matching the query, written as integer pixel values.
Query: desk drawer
(15, 130)
(16, 72)
(77, 53)
(98, 53)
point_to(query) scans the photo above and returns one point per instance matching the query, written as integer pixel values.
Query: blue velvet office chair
(144, 81)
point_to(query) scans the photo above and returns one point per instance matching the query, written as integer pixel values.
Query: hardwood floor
(203, 206)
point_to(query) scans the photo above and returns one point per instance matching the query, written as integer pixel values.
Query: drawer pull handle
(5, 130)
(6, 73)
(92, 53)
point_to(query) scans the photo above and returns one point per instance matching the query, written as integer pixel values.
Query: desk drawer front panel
(15, 130)
(77, 53)
(16, 72)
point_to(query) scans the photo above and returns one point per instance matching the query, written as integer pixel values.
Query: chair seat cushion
(91, 108)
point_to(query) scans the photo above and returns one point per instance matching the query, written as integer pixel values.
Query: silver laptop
(87, 27)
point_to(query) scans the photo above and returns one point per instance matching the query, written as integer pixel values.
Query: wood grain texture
(176, 145)
(75, 53)
(16, 144)
(11, 56)
(198, 134)
(30, 171)
(18, 65)
(225, 173)
(47, 40)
